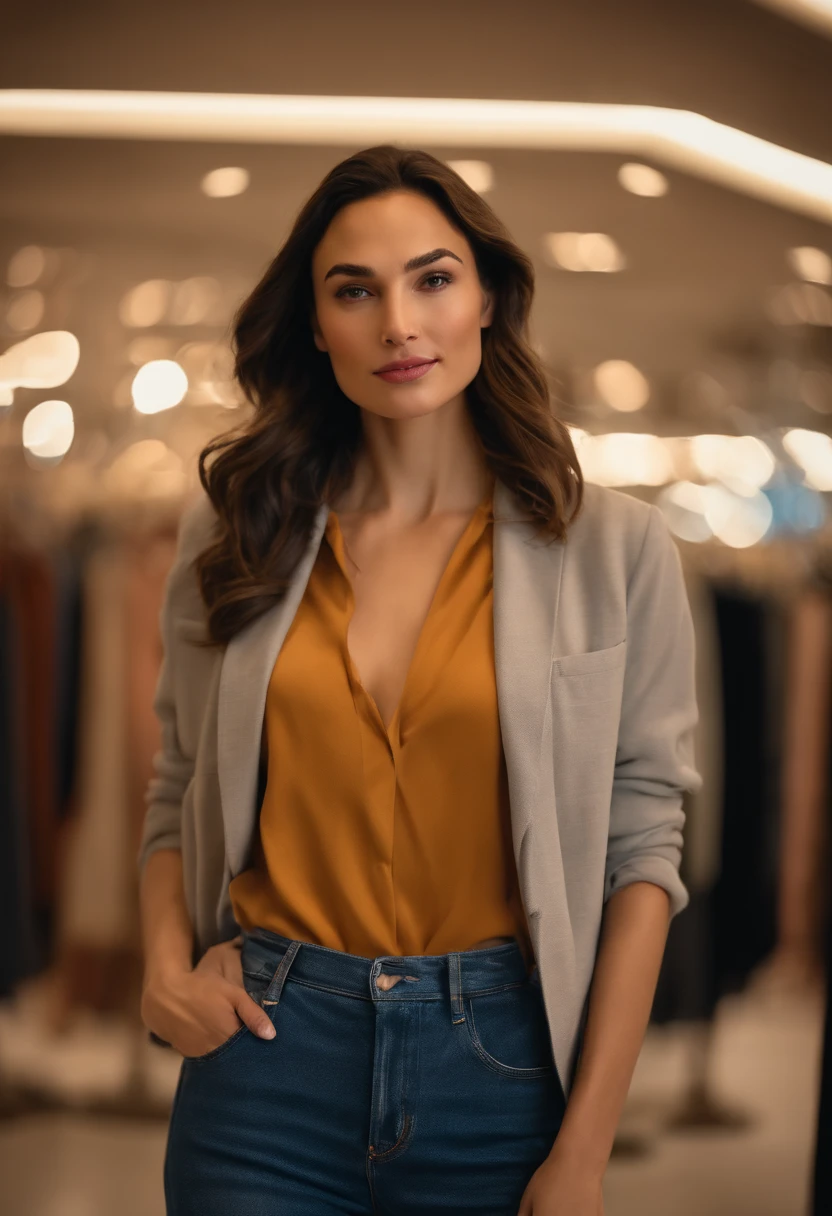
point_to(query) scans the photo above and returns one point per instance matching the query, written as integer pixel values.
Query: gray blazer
(594, 653)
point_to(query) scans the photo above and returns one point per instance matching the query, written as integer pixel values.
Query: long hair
(299, 447)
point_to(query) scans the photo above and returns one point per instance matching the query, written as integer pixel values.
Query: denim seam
(217, 1051)
(401, 1143)
(540, 1070)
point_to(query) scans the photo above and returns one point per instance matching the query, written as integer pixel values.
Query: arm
(191, 1008)
(167, 933)
(632, 942)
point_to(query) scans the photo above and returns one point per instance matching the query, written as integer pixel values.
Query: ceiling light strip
(687, 140)
(816, 14)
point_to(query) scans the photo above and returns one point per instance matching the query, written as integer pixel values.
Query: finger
(255, 1018)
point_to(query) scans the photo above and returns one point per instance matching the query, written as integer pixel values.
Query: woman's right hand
(196, 1011)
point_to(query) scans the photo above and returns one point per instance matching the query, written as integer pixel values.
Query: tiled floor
(766, 1062)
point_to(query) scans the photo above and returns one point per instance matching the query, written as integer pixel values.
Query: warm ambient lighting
(681, 138)
(817, 14)
(26, 266)
(48, 430)
(695, 513)
(145, 304)
(42, 361)
(812, 264)
(812, 450)
(594, 252)
(225, 183)
(642, 180)
(25, 311)
(159, 386)
(478, 174)
(621, 385)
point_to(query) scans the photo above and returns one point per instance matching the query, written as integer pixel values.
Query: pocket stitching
(217, 1051)
(588, 662)
(497, 1066)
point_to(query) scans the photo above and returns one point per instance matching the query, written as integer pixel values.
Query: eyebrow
(367, 272)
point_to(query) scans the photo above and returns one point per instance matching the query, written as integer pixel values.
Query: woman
(470, 677)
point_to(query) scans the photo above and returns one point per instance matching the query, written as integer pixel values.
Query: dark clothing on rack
(822, 1192)
(729, 927)
(745, 900)
(686, 991)
(822, 1179)
(20, 950)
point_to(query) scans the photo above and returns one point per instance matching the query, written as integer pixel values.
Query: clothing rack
(86, 532)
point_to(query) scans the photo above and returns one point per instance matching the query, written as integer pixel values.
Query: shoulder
(617, 524)
(196, 526)
(194, 533)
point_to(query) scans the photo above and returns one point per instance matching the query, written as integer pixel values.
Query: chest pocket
(592, 675)
(586, 690)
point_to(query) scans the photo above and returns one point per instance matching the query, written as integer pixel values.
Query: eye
(442, 275)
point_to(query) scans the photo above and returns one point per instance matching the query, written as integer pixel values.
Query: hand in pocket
(197, 1011)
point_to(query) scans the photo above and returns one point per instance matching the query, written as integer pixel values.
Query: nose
(398, 327)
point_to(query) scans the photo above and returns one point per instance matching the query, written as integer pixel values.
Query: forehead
(384, 230)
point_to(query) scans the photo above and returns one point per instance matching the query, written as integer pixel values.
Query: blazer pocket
(590, 661)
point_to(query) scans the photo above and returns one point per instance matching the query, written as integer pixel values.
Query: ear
(488, 302)
(316, 333)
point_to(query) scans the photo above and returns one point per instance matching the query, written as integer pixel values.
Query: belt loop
(275, 988)
(455, 984)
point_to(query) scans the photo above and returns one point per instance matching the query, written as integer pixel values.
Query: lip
(406, 370)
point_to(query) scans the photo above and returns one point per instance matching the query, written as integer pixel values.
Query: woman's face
(371, 310)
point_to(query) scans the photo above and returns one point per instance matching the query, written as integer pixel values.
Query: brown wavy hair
(299, 447)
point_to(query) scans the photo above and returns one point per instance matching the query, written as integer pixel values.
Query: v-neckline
(334, 532)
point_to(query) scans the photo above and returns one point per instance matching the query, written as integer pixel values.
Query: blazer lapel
(244, 679)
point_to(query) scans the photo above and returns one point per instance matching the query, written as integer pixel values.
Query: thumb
(254, 1017)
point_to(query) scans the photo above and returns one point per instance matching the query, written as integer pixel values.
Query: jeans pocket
(255, 984)
(509, 1032)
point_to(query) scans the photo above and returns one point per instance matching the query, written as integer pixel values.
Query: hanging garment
(822, 1172)
(808, 731)
(745, 892)
(68, 564)
(96, 884)
(686, 989)
(20, 949)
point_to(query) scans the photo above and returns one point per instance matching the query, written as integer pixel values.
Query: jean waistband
(423, 976)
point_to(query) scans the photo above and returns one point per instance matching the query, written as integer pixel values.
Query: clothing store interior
(668, 169)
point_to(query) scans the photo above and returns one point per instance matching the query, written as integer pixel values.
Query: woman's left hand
(560, 1187)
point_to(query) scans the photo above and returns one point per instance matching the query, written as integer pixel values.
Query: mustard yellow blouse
(381, 843)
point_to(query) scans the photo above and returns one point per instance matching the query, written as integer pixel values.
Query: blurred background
(668, 168)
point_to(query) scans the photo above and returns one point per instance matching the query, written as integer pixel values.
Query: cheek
(341, 333)
(460, 340)
(460, 320)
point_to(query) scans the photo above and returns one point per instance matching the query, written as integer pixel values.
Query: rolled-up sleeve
(172, 769)
(655, 759)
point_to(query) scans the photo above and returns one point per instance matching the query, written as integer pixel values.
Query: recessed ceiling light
(810, 263)
(478, 174)
(643, 180)
(817, 14)
(583, 251)
(225, 183)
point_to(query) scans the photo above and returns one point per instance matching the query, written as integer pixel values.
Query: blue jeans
(438, 1095)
